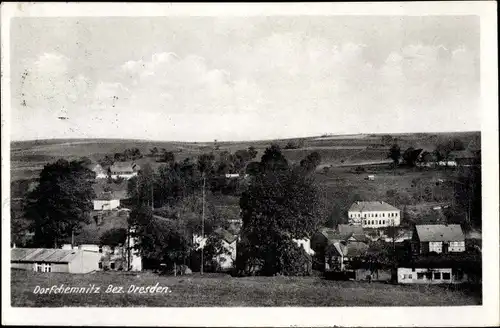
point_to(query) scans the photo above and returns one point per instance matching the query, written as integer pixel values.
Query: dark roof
(124, 167)
(345, 229)
(365, 206)
(226, 235)
(440, 232)
(43, 255)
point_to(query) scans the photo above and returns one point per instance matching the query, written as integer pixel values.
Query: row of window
(377, 222)
(43, 267)
(429, 276)
(374, 215)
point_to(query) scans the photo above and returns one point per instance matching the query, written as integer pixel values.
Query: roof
(345, 229)
(124, 166)
(108, 195)
(43, 255)
(351, 249)
(226, 235)
(440, 232)
(364, 206)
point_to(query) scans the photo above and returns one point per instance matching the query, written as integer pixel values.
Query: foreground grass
(196, 291)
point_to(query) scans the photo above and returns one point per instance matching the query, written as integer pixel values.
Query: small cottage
(438, 238)
(125, 170)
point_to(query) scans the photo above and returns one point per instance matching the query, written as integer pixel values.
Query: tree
(114, 237)
(61, 203)
(311, 161)
(280, 205)
(106, 161)
(387, 139)
(154, 151)
(159, 240)
(273, 159)
(206, 163)
(252, 151)
(394, 154)
(410, 156)
(426, 157)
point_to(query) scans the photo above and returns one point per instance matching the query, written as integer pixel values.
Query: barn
(54, 260)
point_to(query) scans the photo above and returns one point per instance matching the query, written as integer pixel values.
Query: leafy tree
(159, 240)
(311, 161)
(410, 156)
(154, 151)
(106, 161)
(426, 157)
(273, 159)
(61, 202)
(167, 157)
(114, 237)
(206, 163)
(252, 151)
(280, 205)
(394, 154)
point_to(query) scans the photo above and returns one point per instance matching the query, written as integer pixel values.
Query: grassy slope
(228, 291)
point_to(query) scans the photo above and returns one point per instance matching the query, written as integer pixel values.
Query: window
(376, 215)
(446, 276)
(112, 265)
(428, 275)
(410, 276)
(100, 265)
(47, 267)
(383, 215)
(437, 275)
(420, 275)
(100, 249)
(38, 267)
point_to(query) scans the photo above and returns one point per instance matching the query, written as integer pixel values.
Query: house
(340, 254)
(100, 173)
(125, 170)
(106, 202)
(431, 276)
(371, 177)
(118, 254)
(439, 238)
(232, 175)
(374, 214)
(229, 243)
(54, 260)
(305, 244)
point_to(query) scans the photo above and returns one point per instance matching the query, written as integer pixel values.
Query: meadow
(212, 290)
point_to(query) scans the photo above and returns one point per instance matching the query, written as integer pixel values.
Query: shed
(54, 260)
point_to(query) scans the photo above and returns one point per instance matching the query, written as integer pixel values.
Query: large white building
(374, 214)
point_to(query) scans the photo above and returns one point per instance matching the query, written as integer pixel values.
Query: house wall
(85, 262)
(436, 246)
(101, 205)
(428, 276)
(31, 266)
(456, 246)
(116, 175)
(305, 244)
(375, 219)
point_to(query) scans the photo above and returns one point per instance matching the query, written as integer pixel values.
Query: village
(373, 242)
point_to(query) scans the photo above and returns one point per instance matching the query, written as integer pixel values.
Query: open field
(218, 290)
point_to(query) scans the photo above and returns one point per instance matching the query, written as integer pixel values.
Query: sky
(242, 78)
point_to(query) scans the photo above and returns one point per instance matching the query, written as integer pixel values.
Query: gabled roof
(124, 166)
(226, 235)
(439, 232)
(42, 255)
(369, 206)
(351, 249)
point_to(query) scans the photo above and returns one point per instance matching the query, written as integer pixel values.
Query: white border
(487, 314)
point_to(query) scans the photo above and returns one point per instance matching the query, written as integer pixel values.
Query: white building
(229, 243)
(374, 214)
(106, 204)
(305, 244)
(125, 170)
(430, 276)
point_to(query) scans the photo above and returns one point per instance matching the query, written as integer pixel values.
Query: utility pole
(203, 223)
(72, 238)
